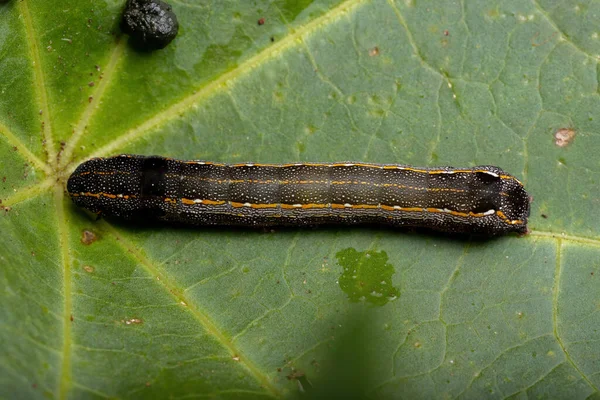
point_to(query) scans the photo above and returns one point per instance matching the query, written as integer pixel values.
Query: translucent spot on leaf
(310, 129)
(366, 276)
(301, 147)
(562, 161)
(374, 51)
(278, 96)
(377, 113)
(398, 86)
(417, 344)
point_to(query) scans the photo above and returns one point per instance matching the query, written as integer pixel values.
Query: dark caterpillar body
(482, 199)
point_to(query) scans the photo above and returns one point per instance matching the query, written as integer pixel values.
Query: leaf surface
(99, 309)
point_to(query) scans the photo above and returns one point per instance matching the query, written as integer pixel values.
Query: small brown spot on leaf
(71, 317)
(91, 84)
(446, 33)
(563, 136)
(374, 51)
(88, 237)
(295, 375)
(261, 21)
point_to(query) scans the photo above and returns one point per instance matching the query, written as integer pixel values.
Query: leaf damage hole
(133, 321)
(564, 137)
(374, 51)
(88, 237)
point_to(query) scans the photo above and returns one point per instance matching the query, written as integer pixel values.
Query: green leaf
(97, 309)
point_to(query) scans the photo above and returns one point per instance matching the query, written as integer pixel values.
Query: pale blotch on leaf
(310, 129)
(133, 321)
(278, 96)
(563, 136)
(366, 276)
(417, 345)
(88, 268)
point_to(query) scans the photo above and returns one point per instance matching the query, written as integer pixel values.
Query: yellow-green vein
(220, 83)
(14, 141)
(88, 112)
(564, 237)
(65, 370)
(40, 84)
(209, 326)
(27, 193)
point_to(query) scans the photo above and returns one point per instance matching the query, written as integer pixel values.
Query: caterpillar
(484, 199)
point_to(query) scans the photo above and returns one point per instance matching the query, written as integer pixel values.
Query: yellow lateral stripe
(508, 221)
(102, 194)
(301, 182)
(352, 164)
(186, 201)
(353, 206)
(103, 173)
